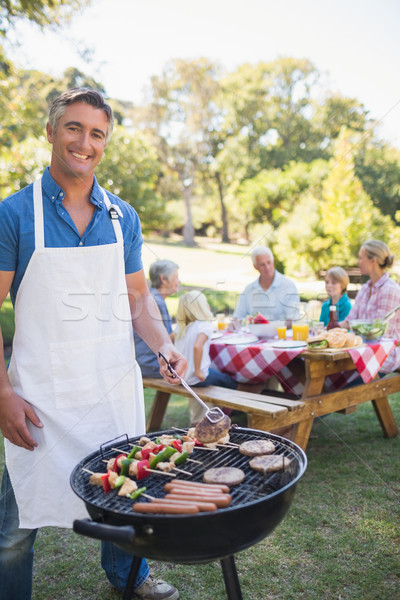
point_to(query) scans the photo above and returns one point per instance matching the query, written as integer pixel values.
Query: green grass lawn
(340, 539)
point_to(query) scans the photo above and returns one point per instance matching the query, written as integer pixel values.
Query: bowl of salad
(370, 330)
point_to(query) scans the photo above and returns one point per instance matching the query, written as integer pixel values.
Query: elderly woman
(164, 281)
(379, 295)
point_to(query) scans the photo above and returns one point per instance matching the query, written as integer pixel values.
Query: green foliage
(348, 213)
(328, 226)
(130, 169)
(7, 323)
(23, 164)
(271, 195)
(378, 168)
(42, 12)
(256, 154)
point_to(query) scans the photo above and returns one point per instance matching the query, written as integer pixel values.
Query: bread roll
(336, 338)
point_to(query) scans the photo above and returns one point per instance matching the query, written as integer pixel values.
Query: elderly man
(164, 281)
(272, 294)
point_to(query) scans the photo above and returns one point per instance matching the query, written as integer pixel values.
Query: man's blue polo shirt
(17, 238)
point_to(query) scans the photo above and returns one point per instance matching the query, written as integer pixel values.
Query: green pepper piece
(155, 460)
(137, 493)
(161, 456)
(119, 481)
(181, 459)
(125, 465)
(169, 451)
(133, 452)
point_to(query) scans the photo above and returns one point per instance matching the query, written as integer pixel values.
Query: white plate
(240, 339)
(216, 335)
(289, 344)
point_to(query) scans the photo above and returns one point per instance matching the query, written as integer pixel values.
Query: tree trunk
(188, 229)
(225, 233)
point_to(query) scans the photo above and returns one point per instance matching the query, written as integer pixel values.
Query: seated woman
(164, 281)
(192, 339)
(336, 282)
(378, 296)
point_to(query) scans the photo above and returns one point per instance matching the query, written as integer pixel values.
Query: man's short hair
(85, 95)
(260, 251)
(161, 267)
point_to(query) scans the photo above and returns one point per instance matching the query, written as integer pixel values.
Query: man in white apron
(70, 256)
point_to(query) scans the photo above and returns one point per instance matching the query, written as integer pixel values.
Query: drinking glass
(318, 327)
(300, 331)
(313, 310)
(221, 321)
(281, 331)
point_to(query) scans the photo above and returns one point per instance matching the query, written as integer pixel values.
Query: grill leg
(232, 584)
(133, 573)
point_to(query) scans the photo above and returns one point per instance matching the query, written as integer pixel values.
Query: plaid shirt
(374, 302)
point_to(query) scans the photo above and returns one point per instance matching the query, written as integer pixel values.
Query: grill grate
(255, 486)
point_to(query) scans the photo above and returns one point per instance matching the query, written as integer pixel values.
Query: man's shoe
(156, 589)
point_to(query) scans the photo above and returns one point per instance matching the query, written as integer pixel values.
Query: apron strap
(115, 213)
(38, 214)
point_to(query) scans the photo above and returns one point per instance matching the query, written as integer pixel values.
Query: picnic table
(318, 378)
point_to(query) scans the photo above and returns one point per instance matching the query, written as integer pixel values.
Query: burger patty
(266, 464)
(226, 475)
(256, 447)
(207, 432)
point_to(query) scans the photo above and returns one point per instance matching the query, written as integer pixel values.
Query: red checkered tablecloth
(257, 362)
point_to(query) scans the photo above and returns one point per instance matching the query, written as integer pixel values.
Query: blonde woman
(336, 282)
(192, 339)
(379, 295)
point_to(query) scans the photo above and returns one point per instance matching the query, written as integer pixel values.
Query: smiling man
(70, 256)
(271, 294)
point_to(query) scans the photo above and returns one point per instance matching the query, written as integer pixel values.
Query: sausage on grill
(164, 508)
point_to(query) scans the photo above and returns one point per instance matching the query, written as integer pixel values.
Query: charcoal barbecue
(258, 504)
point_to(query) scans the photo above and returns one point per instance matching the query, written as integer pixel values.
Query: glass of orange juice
(300, 331)
(281, 331)
(221, 321)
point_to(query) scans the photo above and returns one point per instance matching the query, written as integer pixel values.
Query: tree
(23, 101)
(22, 164)
(329, 224)
(130, 169)
(42, 12)
(378, 168)
(272, 194)
(337, 112)
(348, 213)
(181, 116)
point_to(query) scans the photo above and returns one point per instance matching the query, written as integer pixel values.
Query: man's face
(79, 141)
(264, 264)
(172, 283)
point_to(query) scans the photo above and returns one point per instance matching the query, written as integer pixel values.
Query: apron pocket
(89, 372)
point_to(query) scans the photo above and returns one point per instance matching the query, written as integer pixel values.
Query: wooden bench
(285, 416)
(262, 411)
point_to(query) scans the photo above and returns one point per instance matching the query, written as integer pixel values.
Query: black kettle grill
(258, 504)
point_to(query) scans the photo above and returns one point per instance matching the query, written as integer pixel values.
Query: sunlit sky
(354, 43)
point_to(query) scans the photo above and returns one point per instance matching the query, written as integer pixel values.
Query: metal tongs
(215, 414)
(390, 314)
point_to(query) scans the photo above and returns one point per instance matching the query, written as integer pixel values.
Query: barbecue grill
(258, 504)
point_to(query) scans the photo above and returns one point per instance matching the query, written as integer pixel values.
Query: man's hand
(14, 411)
(175, 359)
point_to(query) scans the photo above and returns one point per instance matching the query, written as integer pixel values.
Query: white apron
(73, 360)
